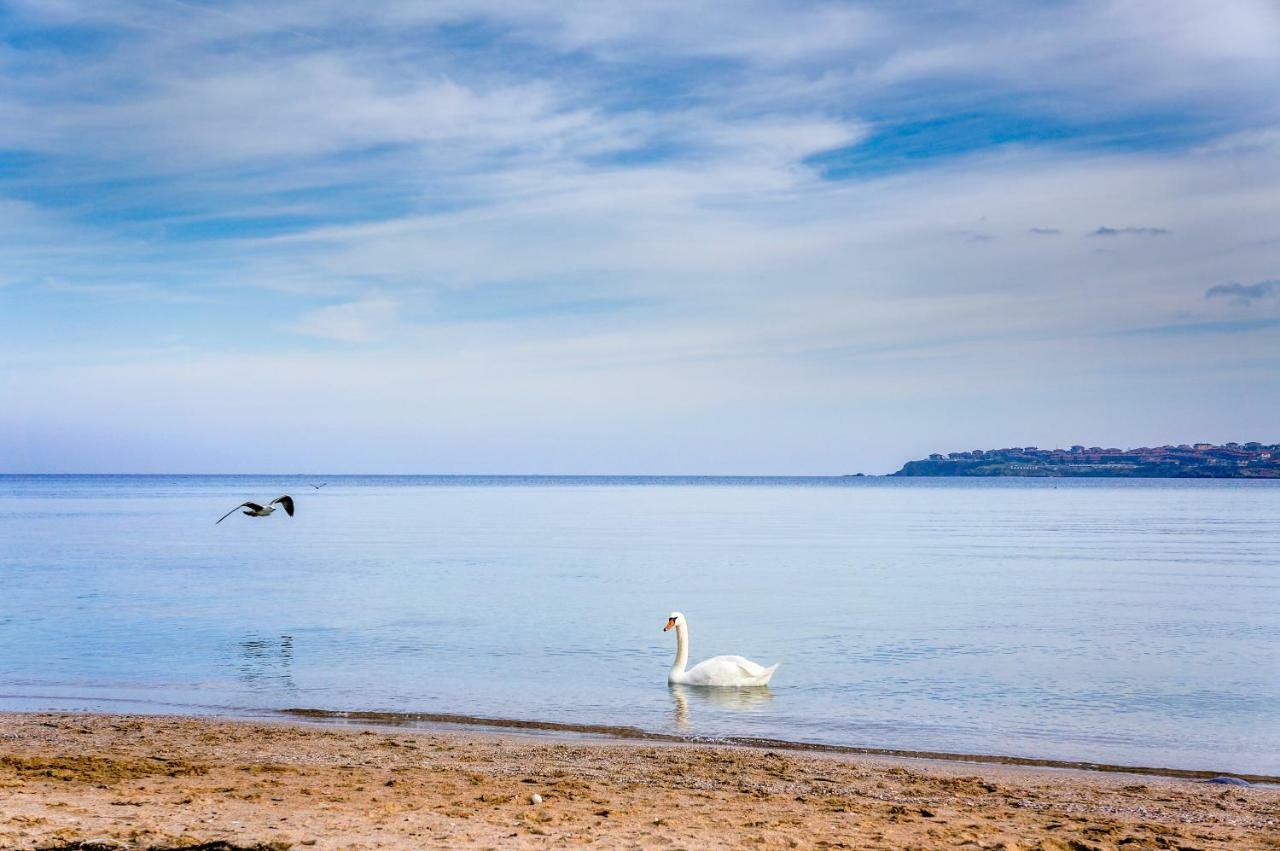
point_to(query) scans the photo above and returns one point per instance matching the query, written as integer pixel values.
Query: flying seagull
(317, 487)
(255, 510)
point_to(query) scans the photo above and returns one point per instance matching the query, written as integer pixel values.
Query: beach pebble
(535, 798)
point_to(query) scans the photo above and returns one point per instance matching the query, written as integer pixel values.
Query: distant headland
(1198, 461)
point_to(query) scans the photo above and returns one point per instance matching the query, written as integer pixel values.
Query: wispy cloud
(1045, 231)
(1129, 231)
(367, 320)
(1244, 294)
(129, 290)
(1232, 327)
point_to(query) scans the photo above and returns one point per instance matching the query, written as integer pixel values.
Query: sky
(686, 237)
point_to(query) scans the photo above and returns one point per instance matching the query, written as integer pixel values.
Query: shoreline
(453, 721)
(104, 782)
(408, 720)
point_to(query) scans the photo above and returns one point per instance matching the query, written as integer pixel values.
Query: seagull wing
(287, 502)
(252, 505)
(322, 484)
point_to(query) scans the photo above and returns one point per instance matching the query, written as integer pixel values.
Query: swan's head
(676, 619)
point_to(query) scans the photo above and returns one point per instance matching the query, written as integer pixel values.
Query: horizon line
(491, 475)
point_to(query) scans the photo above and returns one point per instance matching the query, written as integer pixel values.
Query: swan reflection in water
(732, 699)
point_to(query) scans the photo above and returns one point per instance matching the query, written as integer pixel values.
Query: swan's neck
(682, 650)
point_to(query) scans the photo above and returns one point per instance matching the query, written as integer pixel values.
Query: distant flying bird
(255, 510)
(322, 484)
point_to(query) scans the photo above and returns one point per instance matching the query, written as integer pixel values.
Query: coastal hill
(1200, 461)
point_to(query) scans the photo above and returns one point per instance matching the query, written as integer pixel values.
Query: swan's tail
(766, 675)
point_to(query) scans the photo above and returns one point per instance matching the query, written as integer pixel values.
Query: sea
(1130, 622)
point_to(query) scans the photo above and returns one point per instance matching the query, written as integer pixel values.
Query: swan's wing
(287, 502)
(767, 674)
(728, 671)
(252, 505)
(747, 667)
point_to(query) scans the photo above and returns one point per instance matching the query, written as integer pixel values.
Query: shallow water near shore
(1129, 622)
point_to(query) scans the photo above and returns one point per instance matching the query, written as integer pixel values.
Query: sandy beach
(117, 782)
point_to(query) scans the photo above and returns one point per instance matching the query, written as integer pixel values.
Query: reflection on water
(731, 699)
(266, 663)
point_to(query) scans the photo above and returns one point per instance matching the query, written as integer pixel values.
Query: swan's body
(722, 671)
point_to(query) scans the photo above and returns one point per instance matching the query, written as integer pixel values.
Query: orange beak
(670, 623)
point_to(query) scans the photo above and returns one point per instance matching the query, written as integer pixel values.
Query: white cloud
(367, 320)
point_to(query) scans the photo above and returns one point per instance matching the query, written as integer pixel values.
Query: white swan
(731, 671)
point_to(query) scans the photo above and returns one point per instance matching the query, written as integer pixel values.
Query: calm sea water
(1125, 622)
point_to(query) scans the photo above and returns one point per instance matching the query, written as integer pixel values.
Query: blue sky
(757, 237)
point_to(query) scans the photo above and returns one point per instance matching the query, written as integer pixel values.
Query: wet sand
(115, 782)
